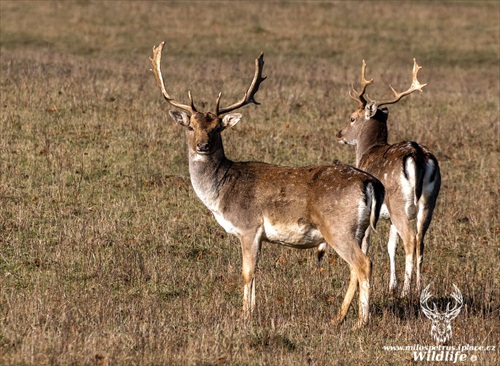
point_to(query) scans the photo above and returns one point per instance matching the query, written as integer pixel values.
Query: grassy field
(107, 257)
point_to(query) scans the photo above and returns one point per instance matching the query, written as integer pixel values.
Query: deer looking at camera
(408, 170)
(300, 207)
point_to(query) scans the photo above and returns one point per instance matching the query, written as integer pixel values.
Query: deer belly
(294, 235)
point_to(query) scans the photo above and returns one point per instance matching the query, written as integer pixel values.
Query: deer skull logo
(441, 320)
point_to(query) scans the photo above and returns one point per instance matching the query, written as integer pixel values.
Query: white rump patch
(363, 217)
(408, 188)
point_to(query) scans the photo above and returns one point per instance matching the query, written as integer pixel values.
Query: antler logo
(441, 321)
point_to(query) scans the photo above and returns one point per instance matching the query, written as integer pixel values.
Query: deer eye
(190, 128)
(353, 119)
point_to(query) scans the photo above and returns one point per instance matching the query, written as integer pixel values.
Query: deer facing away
(302, 207)
(408, 170)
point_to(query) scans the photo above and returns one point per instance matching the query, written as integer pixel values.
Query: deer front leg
(250, 248)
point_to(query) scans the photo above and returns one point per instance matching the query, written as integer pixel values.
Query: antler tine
(360, 97)
(217, 102)
(155, 60)
(415, 85)
(249, 96)
(191, 101)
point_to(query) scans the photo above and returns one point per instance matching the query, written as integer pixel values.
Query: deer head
(204, 128)
(441, 320)
(370, 110)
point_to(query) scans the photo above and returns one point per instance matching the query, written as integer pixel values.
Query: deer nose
(202, 146)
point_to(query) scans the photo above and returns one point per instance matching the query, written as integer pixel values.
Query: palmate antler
(363, 100)
(360, 97)
(155, 60)
(415, 85)
(248, 97)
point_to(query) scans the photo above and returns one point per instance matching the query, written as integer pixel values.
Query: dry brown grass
(108, 257)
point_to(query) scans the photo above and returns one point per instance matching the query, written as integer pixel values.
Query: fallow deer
(408, 170)
(302, 207)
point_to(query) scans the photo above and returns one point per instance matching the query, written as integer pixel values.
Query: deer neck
(208, 174)
(372, 134)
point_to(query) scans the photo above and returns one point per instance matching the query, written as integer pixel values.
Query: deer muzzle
(340, 137)
(202, 147)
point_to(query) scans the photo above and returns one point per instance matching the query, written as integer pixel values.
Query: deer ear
(370, 109)
(180, 117)
(231, 119)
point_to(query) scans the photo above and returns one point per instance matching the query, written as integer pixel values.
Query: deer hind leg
(423, 221)
(360, 266)
(406, 231)
(426, 205)
(391, 248)
(409, 240)
(250, 248)
(351, 290)
(365, 244)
